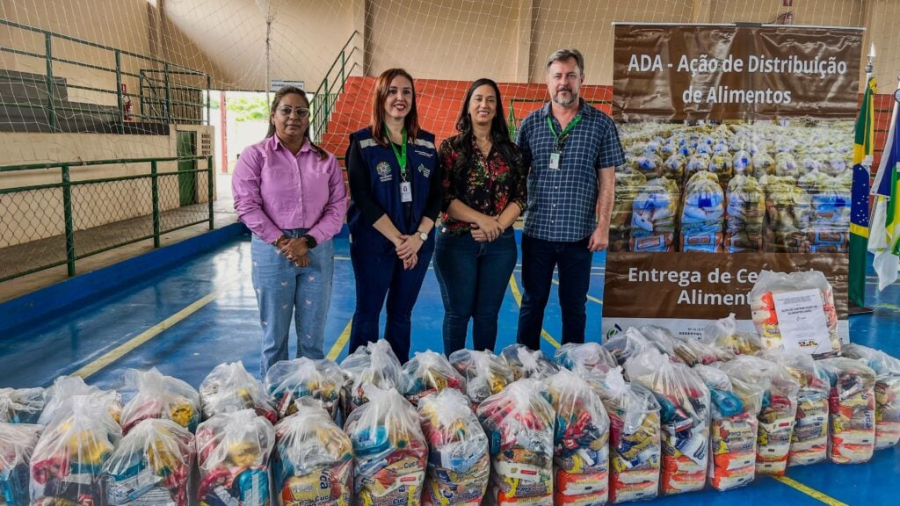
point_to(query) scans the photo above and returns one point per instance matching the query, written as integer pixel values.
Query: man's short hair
(565, 55)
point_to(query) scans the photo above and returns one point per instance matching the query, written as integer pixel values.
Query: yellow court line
(592, 299)
(815, 494)
(518, 296)
(338, 346)
(123, 349)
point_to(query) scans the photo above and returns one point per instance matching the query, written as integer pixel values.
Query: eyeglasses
(302, 112)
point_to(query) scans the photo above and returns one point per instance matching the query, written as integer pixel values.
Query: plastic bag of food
(764, 311)
(830, 217)
(22, 405)
(229, 388)
(733, 431)
(887, 392)
(763, 164)
(583, 357)
(527, 363)
(520, 426)
(703, 213)
(459, 466)
(634, 436)
(289, 380)
(59, 399)
(160, 396)
(313, 458)
(67, 462)
(744, 215)
(390, 450)
(581, 442)
(723, 334)
(151, 465)
(627, 344)
(786, 165)
(373, 364)
(627, 186)
(673, 167)
(234, 451)
(654, 213)
(770, 391)
(685, 415)
(851, 427)
(429, 372)
(787, 216)
(486, 374)
(17, 443)
(687, 349)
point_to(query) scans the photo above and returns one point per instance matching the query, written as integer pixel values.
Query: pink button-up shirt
(275, 190)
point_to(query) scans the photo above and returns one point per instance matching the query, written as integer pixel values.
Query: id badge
(554, 161)
(405, 192)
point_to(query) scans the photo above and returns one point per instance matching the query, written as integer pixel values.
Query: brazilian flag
(863, 147)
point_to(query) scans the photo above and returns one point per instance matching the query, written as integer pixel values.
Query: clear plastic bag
(234, 451)
(68, 460)
(23, 405)
(390, 450)
(685, 416)
(160, 396)
(59, 399)
(581, 442)
(627, 344)
(289, 380)
(723, 334)
(17, 443)
(151, 465)
(584, 357)
(851, 425)
(887, 392)
(744, 215)
(654, 213)
(486, 374)
(429, 372)
(459, 466)
(520, 425)
(703, 212)
(229, 388)
(374, 364)
(527, 363)
(686, 349)
(313, 458)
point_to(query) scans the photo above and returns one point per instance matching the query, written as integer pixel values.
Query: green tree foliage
(248, 109)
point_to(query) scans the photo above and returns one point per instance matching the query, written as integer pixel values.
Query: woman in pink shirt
(290, 193)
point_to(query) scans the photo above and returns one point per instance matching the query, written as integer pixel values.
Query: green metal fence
(59, 223)
(326, 95)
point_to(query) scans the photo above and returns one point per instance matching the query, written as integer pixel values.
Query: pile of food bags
(17, 443)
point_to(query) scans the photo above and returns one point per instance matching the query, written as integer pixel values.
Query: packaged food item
(627, 185)
(22, 405)
(68, 459)
(289, 380)
(788, 210)
(851, 427)
(313, 459)
(581, 442)
(703, 213)
(234, 451)
(744, 215)
(527, 363)
(17, 443)
(887, 392)
(520, 423)
(625, 345)
(654, 213)
(763, 164)
(830, 216)
(429, 372)
(229, 388)
(59, 399)
(685, 415)
(151, 465)
(374, 364)
(160, 396)
(583, 357)
(723, 334)
(689, 350)
(389, 448)
(486, 374)
(459, 466)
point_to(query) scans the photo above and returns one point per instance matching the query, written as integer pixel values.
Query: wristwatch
(310, 241)
(422, 235)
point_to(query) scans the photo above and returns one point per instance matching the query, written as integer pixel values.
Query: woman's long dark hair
(462, 143)
(281, 93)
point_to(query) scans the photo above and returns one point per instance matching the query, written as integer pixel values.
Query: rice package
(654, 213)
(373, 364)
(627, 344)
(22, 405)
(744, 215)
(17, 443)
(583, 357)
(289, 380)
(151, 465)
(390, 451)
(887, 392)
(788, 210)
(60, 399)
(733, 433)
(581, 442)
(313, 459)
(769, 390)
(851, 438)
(67, 462)
(429, 372)
(234, 451)
(685, 416)
(687, 349)
(459, 466)
(229, 388)
(703, 214)
(486, 374)
(770, 286)
(724, 335)
(160, 396)
(527, 363)
(520, 425)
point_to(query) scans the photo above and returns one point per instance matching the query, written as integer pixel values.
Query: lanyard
(400, 155)
(561, 138)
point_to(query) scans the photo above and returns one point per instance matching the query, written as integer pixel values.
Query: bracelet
(277, 241)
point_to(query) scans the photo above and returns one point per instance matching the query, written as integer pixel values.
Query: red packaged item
(851, 410)
(887, 392)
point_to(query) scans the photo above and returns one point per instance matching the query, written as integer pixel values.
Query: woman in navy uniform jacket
(396, 190)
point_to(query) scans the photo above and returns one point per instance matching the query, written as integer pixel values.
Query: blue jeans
(285, 291)
(539, 257)
(473, 277)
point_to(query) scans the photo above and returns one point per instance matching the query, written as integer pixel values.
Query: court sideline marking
(518, 296)
(815, 494)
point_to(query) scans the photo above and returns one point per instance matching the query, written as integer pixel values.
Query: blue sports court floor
(187, 319)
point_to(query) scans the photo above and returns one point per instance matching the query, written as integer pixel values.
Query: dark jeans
(573, 259)
(473, 278)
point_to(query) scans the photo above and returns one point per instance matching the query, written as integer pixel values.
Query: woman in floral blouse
(485, 192)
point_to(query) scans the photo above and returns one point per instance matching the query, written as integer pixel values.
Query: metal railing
(86, 211)
(513, 123)
(327, 93)
(54, 106)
